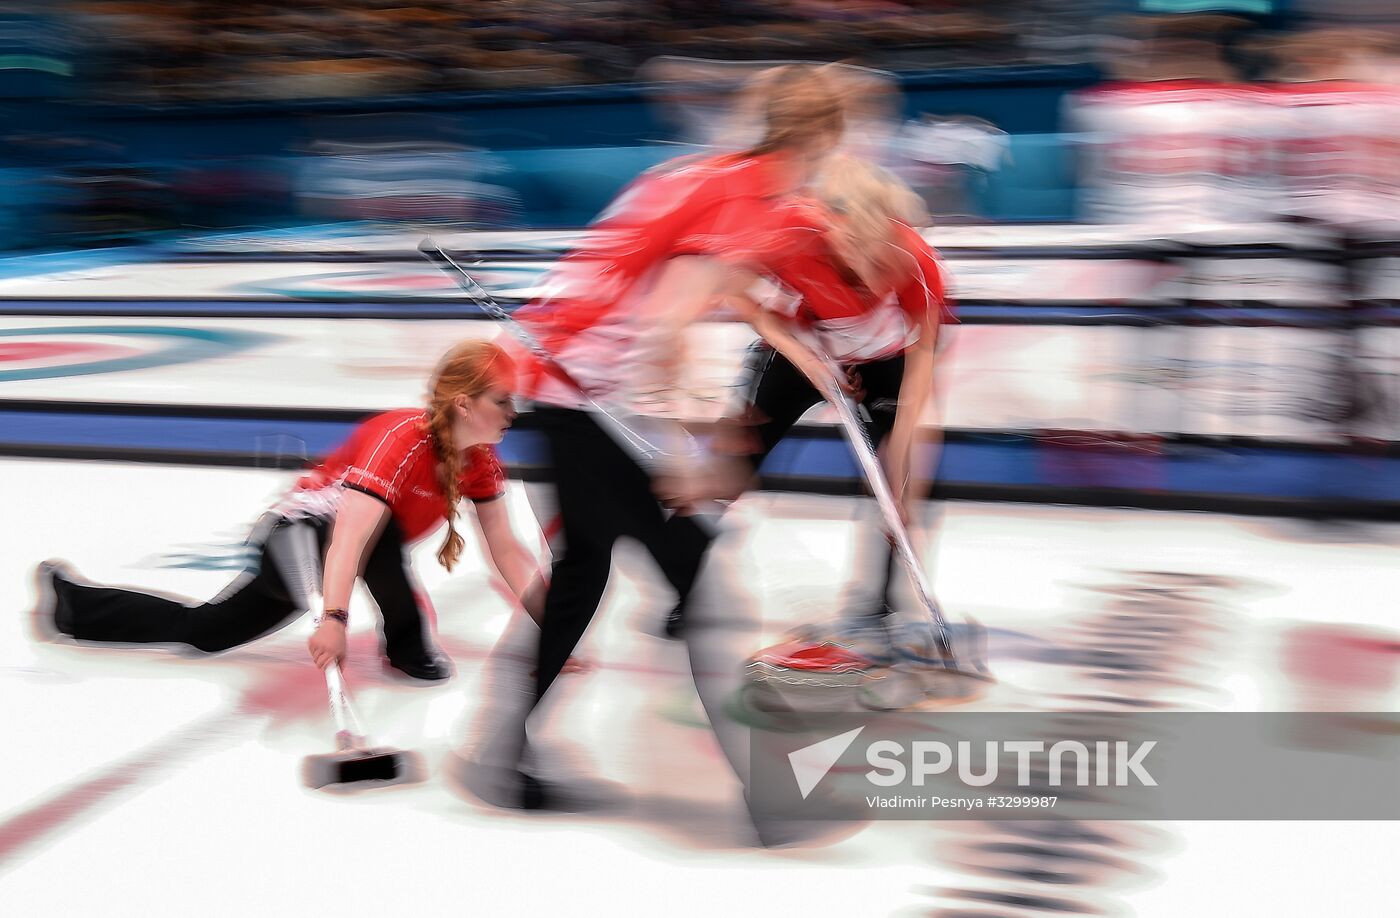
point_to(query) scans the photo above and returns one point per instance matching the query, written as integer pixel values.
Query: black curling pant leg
(603, 495)
(880, 380)
(680, 552)
(776, 397)
(253, 605)
(591, 474)
(387, 577)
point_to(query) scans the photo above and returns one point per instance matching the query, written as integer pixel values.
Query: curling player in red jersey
(661, 256)
(397, 478)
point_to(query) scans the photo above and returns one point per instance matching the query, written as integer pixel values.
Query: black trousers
(260, 601)
(776, 395)
(603, 495)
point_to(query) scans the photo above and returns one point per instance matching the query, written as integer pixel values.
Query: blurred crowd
(191, 50)
(1205, 118)
(1248, 112)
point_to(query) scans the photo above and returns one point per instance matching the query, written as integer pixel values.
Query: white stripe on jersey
(383, 441)
(394, 482)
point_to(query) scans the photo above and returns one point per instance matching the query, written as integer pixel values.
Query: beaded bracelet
(337, 615)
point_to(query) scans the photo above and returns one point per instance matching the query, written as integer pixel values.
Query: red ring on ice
(31, 351)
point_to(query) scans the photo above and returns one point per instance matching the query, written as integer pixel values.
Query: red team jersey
(727, 206)
(854, 325)
(391, 457)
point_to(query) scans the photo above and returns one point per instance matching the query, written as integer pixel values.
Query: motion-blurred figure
(658, 258)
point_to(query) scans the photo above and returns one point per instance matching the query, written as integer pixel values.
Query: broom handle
(348, 730)
(859, 440)
(894, 526)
